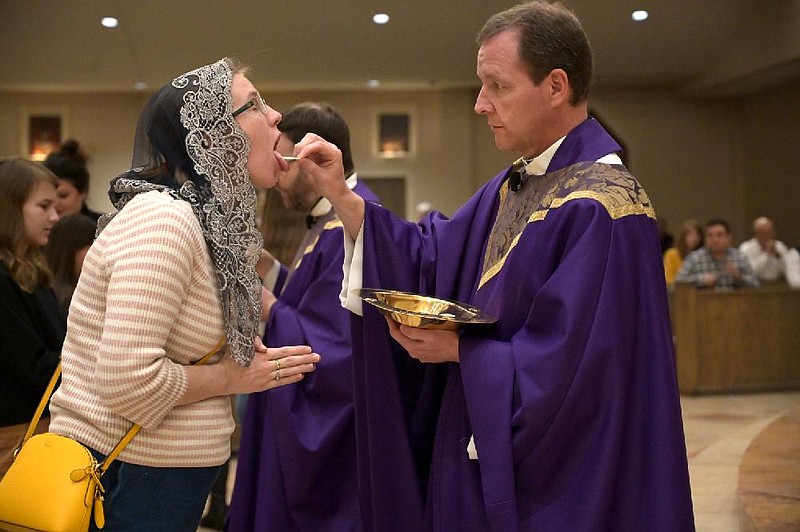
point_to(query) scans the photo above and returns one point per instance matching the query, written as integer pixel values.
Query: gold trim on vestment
(331, 224)
(619, 200)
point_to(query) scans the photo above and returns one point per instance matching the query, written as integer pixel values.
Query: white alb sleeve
(352, 268)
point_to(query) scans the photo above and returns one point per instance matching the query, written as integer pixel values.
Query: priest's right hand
(426, 345)
(322, 160)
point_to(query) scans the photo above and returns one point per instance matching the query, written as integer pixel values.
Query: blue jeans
(156, 499)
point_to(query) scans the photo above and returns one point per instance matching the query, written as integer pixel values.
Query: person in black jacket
(31, 328)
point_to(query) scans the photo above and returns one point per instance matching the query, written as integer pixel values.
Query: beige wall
(730, 158)
(104, 124)
(685, 153)
(772, 135)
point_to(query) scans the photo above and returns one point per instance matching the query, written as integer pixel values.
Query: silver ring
(277, 374)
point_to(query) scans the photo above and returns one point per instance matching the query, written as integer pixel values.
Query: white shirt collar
(538, 165)
(323, 206)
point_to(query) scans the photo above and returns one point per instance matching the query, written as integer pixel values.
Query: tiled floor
(718, 430)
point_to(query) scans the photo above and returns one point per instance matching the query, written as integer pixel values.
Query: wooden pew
(737, 340)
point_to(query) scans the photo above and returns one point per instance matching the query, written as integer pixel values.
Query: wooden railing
(738, 340)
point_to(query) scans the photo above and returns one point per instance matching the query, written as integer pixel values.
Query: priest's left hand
(426, 345)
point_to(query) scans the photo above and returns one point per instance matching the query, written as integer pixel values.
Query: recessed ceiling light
(640, 15)
(380, 18)
(109, 22)
(374, 83)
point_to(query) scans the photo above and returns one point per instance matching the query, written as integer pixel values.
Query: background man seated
(717, 264)
(771, 259)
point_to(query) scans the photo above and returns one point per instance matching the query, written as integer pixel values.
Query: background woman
(31, 330)
(690, 238)
(69, 241)
(170, 273)
(69, 164)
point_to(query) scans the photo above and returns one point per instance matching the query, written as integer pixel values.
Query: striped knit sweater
(146, 304)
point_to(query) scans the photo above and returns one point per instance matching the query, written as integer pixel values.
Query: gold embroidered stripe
(613, 210)
(332, 224)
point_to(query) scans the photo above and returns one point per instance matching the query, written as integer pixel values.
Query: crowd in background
(705, 256)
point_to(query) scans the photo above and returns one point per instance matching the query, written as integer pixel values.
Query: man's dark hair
(719, 221)
(550, 37)
(323, 120)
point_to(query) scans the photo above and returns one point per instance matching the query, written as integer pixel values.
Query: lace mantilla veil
(188, 144)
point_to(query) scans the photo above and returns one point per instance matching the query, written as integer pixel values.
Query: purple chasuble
(571, 397)
(296, 469)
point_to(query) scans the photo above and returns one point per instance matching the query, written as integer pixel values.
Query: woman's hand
(271, 367)
(288, 368)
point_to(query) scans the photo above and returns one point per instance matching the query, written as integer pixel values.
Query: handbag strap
(42, 404)
(128, 435)
(115, 452)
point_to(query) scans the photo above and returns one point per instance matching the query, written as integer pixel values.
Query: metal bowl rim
(368, 295)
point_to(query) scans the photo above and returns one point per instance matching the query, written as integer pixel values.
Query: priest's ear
(559, 87)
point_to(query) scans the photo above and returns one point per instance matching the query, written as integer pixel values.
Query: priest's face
(518, 110)
(296, 188)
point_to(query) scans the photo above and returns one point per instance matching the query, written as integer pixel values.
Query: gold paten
(423, 312)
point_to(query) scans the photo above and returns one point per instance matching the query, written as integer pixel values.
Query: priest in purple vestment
(565, 414)
(296, 468)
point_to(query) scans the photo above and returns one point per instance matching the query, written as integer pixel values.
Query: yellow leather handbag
(54, 484)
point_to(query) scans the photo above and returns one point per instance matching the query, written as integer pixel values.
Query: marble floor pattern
(718, 429)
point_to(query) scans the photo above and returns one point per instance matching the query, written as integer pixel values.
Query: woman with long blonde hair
(31, 330)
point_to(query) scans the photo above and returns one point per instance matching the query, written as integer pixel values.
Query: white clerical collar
(538, 165)
(323, 206)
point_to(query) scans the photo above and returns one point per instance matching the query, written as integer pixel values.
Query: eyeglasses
(258, 101)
